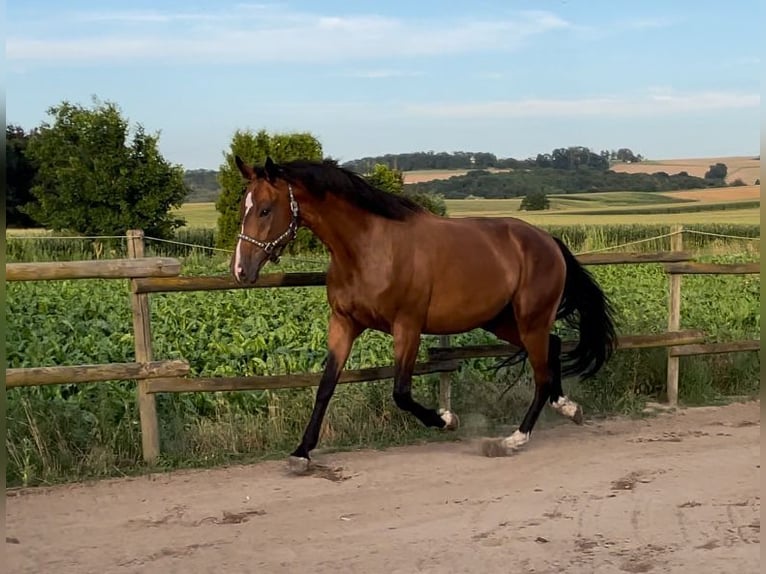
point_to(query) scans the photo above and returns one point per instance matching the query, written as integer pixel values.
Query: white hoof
(504, 446)
(298, 465)
(516, 440)
(568, 408)
(451, 421)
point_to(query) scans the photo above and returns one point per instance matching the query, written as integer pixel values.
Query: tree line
(560, 158)
(550, 180)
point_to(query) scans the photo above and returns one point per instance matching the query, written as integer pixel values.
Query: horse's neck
(344, 229)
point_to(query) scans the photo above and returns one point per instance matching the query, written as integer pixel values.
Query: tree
(627, 155)
(535, 200)
(717, 171)
(20, 174)
(386, 178)
(91, 181)
(253, 148)
(392, 181)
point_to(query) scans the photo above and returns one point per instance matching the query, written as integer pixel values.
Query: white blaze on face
(238, 249)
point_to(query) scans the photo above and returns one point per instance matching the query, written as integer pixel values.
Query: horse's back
(475, 267)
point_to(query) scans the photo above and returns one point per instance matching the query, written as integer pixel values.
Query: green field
(575, 209)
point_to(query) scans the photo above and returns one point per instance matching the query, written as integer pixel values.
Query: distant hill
(423, 167)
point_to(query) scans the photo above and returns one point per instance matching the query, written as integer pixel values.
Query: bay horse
(400, 269)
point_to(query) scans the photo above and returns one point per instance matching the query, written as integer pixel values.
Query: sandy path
(676, 493)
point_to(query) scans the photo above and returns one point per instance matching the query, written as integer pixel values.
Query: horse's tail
(595, 324)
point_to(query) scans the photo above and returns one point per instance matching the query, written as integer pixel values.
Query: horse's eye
(265, 211)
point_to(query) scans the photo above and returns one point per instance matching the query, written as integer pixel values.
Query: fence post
(142, 331)
(445, 387)
(674, 315)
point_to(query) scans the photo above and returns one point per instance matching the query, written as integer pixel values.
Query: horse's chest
(370, 304)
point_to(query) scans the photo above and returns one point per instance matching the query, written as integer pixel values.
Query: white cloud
(657, 102)
(258, 33)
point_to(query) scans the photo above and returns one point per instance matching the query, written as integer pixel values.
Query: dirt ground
(678, 492)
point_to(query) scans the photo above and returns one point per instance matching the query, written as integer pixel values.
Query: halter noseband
(275, 247)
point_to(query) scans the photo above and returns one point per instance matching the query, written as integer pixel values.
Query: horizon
(370, 79)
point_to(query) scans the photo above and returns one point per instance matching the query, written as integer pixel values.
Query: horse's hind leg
(558, 400)
(532, 333)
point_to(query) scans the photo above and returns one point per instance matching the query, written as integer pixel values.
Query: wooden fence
(162, 275)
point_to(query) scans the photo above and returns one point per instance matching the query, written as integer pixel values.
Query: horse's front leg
(406, 344)
(341, 334)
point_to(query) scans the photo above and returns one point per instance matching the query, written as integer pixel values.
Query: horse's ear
(272, 169)
(247, 171)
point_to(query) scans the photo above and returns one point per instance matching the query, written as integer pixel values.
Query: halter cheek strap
(275, 246)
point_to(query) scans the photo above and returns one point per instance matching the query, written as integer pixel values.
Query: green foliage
(535, 200)
(91, 182)
(481, 183)
(253, 149)
(717, 171)
(392, 180)
(626, 155)
(426, 160)
(20, 173)
(572, 158)
(386, 178)
(562, 158)
(433, 202)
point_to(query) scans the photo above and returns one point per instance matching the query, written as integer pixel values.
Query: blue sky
(667, 79)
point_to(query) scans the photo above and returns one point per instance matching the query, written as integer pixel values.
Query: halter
(275, 247)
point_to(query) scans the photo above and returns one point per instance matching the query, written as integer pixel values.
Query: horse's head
(269, 220)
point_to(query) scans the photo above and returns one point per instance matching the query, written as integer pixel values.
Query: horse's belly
(461, 306)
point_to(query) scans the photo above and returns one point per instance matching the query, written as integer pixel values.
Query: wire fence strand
(322, 261)
(183, 243)
(637, 241)
(723, 235)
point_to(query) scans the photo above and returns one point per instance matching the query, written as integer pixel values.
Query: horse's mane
(321, 177)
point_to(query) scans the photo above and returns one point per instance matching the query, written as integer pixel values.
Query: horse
(398, 268)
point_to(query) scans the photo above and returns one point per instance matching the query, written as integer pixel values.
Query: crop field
(746, 168)
(421, 175)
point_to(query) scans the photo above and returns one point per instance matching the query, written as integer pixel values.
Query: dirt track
(675, 493)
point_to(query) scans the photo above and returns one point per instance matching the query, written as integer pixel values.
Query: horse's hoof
(494, 447)
(578, 417)
(298, 464)
(451, 420)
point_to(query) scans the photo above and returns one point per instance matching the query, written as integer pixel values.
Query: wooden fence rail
(38, 376)
(161, 275)
(98, 269)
